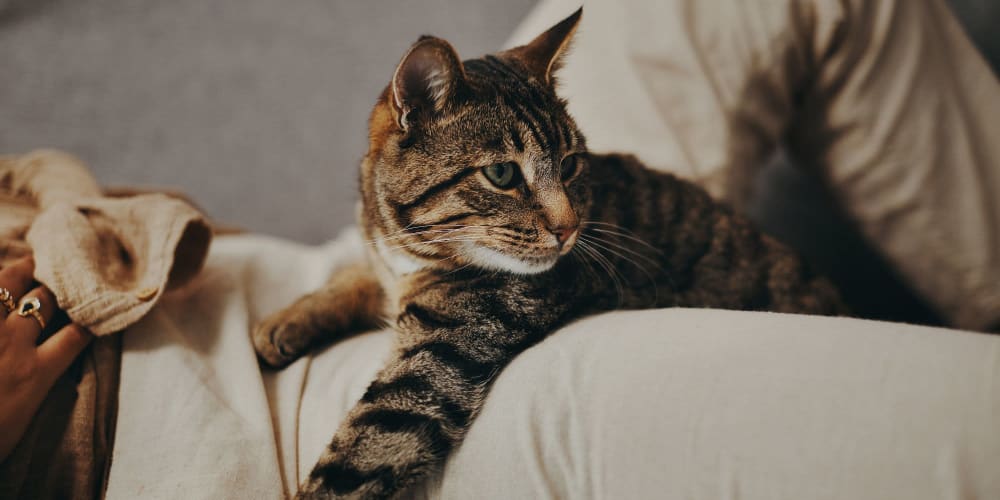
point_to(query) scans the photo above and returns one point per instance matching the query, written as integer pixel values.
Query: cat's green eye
(570, 165)
(503, 175)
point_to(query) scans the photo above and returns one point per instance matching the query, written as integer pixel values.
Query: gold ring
(31, 306)
(7, 299)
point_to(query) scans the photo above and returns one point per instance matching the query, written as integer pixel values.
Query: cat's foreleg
(350, 301)
(411, 418)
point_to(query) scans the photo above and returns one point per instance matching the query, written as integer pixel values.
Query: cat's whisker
(458, 227)
(410, 230)
(607, 266)
(666, 274)
(408, 227)
(603, 246)
(607, 224)
(443, 232)
(433, 242)
(652, 279)
(618, 230)
(578, 253)
(585, 252)
(375, 241)
(394, 234)
(610, 268)
(624, 248)
(450, 257)
(459, 268)
(622, 235)
(442, 229)
(419, 233)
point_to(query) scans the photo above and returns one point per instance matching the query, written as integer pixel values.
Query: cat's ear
(543, 55)
(427, 78)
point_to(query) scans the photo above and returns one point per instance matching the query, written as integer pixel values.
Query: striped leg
(417, 410)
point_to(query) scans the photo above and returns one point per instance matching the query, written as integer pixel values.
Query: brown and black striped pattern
(471, 274)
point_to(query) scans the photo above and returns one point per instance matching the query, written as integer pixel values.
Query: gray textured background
(257, 108)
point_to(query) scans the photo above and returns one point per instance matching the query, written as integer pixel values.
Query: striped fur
(470, 274)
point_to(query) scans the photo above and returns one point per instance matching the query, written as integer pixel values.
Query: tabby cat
(490, 226)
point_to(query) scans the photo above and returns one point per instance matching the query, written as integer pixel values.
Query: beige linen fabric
(886, 99)
(653, 404)
(696, 404)
(195, 421)
(107, 260)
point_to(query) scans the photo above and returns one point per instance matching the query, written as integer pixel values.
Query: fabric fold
(107, 260)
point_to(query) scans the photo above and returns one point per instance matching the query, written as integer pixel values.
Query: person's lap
(621, 405)
(719, 404)
(707, 403)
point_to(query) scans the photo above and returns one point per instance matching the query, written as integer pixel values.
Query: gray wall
(257, 108)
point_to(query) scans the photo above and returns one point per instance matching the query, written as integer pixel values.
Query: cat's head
(476, 163)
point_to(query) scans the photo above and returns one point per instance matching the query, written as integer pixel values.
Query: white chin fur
(399, 263)
(491, 259)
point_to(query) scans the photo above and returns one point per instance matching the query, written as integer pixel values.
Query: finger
(58, 352)
(27, 328)
(17, 279)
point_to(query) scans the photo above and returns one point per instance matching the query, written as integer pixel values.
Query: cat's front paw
(282, 338)
(342, 482)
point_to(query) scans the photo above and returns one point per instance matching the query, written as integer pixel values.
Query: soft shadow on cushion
(796, 208)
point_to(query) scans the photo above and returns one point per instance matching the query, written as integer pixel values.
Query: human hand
(27, 370)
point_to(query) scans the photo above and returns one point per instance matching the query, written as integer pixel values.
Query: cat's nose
(562, 234)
